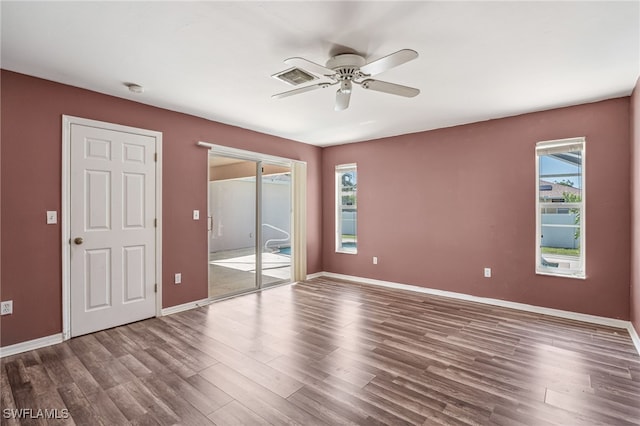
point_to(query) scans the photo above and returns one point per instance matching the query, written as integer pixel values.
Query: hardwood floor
(326, 352)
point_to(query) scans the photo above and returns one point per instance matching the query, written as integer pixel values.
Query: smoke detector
(135, 88)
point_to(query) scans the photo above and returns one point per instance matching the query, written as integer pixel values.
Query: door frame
(298, 201)
(67, 121)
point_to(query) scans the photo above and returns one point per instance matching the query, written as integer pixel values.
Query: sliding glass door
(249, 228)
(276, 224)
(232, 229)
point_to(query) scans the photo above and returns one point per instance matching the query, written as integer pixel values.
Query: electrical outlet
(178, 278)
(375, 260)
(6, 308)
(487, 272)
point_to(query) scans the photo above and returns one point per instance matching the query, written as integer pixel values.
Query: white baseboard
(208, 301)
(634, 336)
(316, 275)
(30, 345)
(594, 319)
(185, 307)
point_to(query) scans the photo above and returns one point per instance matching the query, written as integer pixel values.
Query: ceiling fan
(346, 70)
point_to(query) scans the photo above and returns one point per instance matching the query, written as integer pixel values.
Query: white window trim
(341, 168)
(545, 148)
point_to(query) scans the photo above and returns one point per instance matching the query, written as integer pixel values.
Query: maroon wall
(437, 207)
(31, 117)
(635, 207)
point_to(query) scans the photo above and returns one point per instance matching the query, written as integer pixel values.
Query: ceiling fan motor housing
(347, 66)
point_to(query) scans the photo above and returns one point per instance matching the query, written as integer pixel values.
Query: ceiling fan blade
(392, 88)
(342, 100)
(310, 66)
(301, 90)
(389, 61)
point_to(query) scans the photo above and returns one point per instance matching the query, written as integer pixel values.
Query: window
(560, 213)
(346, 209)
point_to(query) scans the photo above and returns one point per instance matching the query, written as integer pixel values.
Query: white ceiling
(478, 60)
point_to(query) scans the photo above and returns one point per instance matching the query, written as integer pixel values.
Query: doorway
(111, 242)
(251, 222)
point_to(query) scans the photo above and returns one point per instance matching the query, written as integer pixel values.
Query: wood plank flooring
(328, 352)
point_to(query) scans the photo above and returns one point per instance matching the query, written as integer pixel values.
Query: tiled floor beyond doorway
(233, 271)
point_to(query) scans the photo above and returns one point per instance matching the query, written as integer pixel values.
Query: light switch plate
(196, 215)
(52, 217)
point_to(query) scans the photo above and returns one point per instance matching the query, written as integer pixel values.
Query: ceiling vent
(295, 76)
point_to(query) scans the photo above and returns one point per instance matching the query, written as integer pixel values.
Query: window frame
(545, 148)
(340, 169)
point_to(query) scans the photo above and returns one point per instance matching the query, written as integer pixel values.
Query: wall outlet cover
(6, 308)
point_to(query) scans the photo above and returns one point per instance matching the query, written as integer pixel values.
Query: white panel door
(112, 198)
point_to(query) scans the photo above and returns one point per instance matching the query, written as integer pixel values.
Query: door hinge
(155, 157)
(155, 288)
(155, 223)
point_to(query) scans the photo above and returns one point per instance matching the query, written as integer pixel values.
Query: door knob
(78, 240)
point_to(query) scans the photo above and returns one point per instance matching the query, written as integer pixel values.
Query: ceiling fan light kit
(345, 70)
